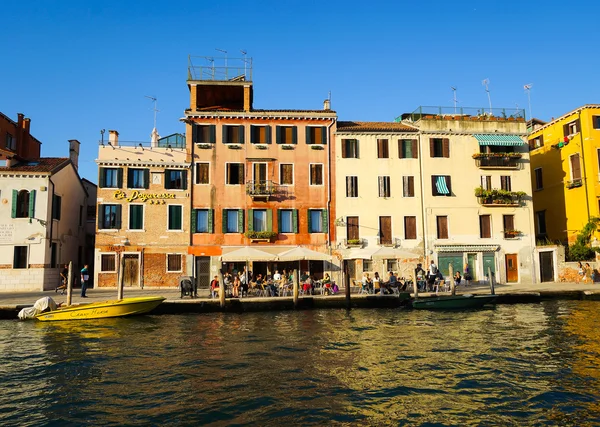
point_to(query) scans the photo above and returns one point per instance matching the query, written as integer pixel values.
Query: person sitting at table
(366, 283)
(326, 284)
(236, 287)
(304, 276)
(377, 284)
(214, 287)
(307, 285)
(457, 278)
(277, 277)
(243, 283)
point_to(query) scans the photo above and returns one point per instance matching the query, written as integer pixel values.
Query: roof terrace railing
(458, 113)
(221, 69)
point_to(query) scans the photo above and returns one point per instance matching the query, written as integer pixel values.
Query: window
(111, 177)
(385, 230)
(536, 142)
(286, 134)
(202, 173)
(136, 217)
(204, 221)
(109, 217)
(410, 227)
(107, 263)
(175, 179)
(286, 174)
(508, 222)
(350, 149)
(442, 227)
(233, 134)
(288, 220)
(351, 186)
(539, 184)
(20, 257)
(407, 149)
(11, 142)
(233, 221)
(391, 264)
(384, 186)
(540, 217)
(317, 221)
(138, 178)
(22, 204)
(316, 174)
(485, 226)
(174, 264)
(260, 134)
(367, 265)
(234, 173)
(571, 128)
(352, 232)
(596, 122)
(316, 135)
(259, 220)
(383, 151)
(54, 255)
(204, 134)
(408, 186)
(439, 147)
(441, 185)
(56, 206)
(80, 215)
(505, 183)
(486, 182)
(575, 167)
(175, 213)
(91, 214)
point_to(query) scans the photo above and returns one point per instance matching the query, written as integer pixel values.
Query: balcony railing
(464, 113)
(497, 160)
(393, 242)
(262, 189)
(354, 243)
(499, 197)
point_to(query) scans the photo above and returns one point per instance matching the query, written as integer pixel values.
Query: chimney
(74, 152)
(327, 105)
(20, 120)
(27, 125)
(248, 97)
(113, 138)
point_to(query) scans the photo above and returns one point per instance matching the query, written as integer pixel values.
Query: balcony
(497, 160)
(393, 242)
(499, 198)
(354, 243)
(574, 183)
(262, 190)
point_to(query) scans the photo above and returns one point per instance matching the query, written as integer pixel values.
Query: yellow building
(565, 173)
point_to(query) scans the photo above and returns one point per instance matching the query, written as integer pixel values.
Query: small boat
(453, 302)
(102, 310)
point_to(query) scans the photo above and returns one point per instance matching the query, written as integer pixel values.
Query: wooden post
(222, 289)
(415, 288)
(295, 288)
(70, 283)
(347, 289)
(492, 290)
(121, 278)
(451, 274)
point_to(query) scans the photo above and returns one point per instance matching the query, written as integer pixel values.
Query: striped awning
(495, 139)
(467, 248)
(440, 185)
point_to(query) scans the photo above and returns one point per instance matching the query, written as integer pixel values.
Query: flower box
(234, 146)
(205, 145)
(288, 147)
(261, 146)
(317, 147)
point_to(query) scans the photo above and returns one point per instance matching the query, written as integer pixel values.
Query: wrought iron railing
(261, 188)
(498, 161)
(464, 113)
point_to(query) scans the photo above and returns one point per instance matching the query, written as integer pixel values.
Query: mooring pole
(492, 290)
(451, 274)
(121, 278)
(222, 289)
(69, 283)
(295, 290)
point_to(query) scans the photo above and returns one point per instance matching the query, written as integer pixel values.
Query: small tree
(581, 249)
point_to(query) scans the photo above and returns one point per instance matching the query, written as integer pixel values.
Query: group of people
(378, 286)
(84, 276)
(427, 280)
(585, 273)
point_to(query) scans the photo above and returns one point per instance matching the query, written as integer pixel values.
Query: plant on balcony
(205, 145)
(266, 235)
(288, 147)
(498, 196)
(353, 242)
(498, 155)
(511, 234)
(317, 147)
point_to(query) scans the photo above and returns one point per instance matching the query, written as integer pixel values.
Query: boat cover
(40, 306)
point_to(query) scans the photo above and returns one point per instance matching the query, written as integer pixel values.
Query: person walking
(580, 272)
(467, 274)
(588, 273)
(64, 278)
(85, 277)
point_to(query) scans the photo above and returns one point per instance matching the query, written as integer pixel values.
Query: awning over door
(502, 140)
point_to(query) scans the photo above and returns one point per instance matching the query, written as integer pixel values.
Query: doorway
(472, 261)
(547, 266)
(203, 272)
(131, 270)
(512, 268)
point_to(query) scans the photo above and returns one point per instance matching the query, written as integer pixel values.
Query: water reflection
(513, 365)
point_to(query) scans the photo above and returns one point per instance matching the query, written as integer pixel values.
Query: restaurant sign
(155, 198)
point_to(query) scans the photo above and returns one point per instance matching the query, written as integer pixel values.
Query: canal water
(520, 365)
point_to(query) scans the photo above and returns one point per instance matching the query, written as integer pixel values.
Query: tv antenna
(454, 97)
(486, 83)
(153, 99)
(527, 88)
(244, 53)
(225, 52)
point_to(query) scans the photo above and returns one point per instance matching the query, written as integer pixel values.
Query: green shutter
(167, 179)
(184, 179)
(269, 219)
(325, 219)
(309, 221)
(307, 135)
(224, 220)
(15, 196)
(129, 177)
(278, 134)
(268, 134)
(211, 221)
(213, 133)
(324, 135)
(279, 220)
(295, 220)
(146, 178)
(194, 220)
(100, 216)
(224, 134)
(240, 220)
(294, 134)
(32, 204)
(241, 134)
(250, 219)
(101, 178)
(120, 178)
(118, 226)
(178, 217)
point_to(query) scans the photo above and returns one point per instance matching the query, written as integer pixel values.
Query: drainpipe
(329, 183)
(51, 210)
(587, 200)
(423, 214)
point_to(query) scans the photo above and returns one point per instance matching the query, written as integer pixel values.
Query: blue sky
(75, 68)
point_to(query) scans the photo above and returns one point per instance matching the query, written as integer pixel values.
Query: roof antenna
(528, 91)
(244, 54)
(454, 97)
(225, 52)
(102, 135)
(153, 99)
(486, 83)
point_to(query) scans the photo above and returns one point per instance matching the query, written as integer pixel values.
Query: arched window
(23, 204)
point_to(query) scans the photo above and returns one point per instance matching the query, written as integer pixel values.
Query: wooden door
(547, 266)
(472, 261)
(203, 272)
(131, 270)
(512, 268)
(260, 173)
(385, 230)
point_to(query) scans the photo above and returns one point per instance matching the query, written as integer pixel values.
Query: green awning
(467, 248)
(495, 139)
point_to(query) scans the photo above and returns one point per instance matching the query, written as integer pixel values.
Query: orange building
(261, 178)
(15, 139)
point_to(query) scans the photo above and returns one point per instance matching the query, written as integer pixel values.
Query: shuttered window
(174, 263)
(351, 186)
(486, 182)
(408, 149)
(175, 217)
(203, 220)
(260, 134)
(204, 134)
(508, 222)
(439, 147)
(385, 230)
(410, 227)
(539, 184)
(442, 227)
(234, 173)
(383, 151)
(286, 134)
(408, 186)
(286, 174)
(572, 128)
(575, 167)
(136, 217)
(316, 174)
(287, 220)
(111, 178)
(231, 222)
(316, 135)
(505, 183)
(109, 217)
(138, 178)
(202, 173)
(233, 134)
(352, 228)
(485, 226)
(350, 149)
(441, 185)
(384, 186)
(175, 179)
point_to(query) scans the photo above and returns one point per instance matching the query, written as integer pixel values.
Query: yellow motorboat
(102, 310)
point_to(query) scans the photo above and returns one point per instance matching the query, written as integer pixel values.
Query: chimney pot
(327, 105)
(74, 152)
(113, 138)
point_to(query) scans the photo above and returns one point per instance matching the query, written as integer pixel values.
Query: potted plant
(260, 236)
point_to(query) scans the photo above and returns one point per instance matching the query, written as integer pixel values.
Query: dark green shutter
(241, 134)
(120, 178)
(269, 219)
(178, 217)
(100, 217)
(224, 134)
(195, 134)
(224, 219)
(279, 220)
(295, 220)
(194, 221)
(268, 134)
(325, 219)
(15, 196)
(323, 135)
(118, 226)
(184, 180)
(240, 220)
(101, 178)
(278, 134)
(32, 204)
(250, 219)
(307, 132)
(167, 179)
(309, 220)
(211, 221)
(129, 177)
(213, 133)
(146, 178)
(295, 135)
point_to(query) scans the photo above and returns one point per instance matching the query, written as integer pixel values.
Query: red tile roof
(41, 165)
(374, 127)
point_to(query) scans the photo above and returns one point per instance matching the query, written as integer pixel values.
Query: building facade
(143, 216)
(261, 178)
(565, 174)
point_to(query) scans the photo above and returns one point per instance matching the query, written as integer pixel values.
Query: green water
(515, 365)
